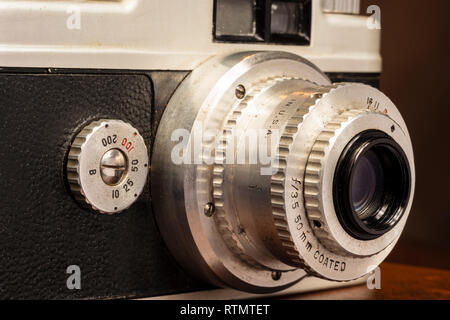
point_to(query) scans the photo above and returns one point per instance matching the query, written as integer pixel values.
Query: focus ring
(278, 180)
(279, 177)
(223, 224)
(313, 174)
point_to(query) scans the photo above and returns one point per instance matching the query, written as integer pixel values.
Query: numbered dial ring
(107, 166)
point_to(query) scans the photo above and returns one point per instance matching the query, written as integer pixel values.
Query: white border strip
(306, 285)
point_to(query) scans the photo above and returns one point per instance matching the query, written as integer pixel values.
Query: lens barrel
(280, 172)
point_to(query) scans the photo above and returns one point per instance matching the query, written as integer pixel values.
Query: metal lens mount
(261, 226)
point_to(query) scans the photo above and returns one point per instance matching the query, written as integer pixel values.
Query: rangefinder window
(239, 20)
(264, 21)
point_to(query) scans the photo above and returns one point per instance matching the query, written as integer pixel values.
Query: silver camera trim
(207, 96)
(195, 240)
(343, 241)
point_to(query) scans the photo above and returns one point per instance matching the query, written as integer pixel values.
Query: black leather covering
(42, 229)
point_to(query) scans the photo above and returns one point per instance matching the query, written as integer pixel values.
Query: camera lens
(281, 172)
(371, 185)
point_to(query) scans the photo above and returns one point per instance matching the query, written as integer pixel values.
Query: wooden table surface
(398, 282)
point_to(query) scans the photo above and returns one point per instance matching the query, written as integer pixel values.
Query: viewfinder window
(266, 21)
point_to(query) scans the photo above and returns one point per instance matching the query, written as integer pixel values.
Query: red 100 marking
(127, 144)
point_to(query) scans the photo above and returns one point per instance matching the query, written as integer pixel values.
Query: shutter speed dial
(107, 166)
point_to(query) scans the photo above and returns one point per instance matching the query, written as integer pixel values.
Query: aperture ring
(223, 223)
(313, 174)
(278, 179)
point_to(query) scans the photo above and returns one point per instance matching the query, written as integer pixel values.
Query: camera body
(125, 60)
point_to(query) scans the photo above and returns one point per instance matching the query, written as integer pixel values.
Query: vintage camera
(152, 148)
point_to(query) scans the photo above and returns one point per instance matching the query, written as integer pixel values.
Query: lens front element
(371, 185)
(367, 178)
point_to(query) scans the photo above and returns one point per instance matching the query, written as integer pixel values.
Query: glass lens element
(285, 18)
(367, 179)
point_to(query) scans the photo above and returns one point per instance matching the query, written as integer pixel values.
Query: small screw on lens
(317, 224)
(276, 275)
(209, 209)
(240, 91)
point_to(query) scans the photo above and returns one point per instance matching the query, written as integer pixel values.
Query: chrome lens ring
(234, 226)
(205, 245)
(323, 217)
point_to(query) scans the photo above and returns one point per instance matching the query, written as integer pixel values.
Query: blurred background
(416, 70)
